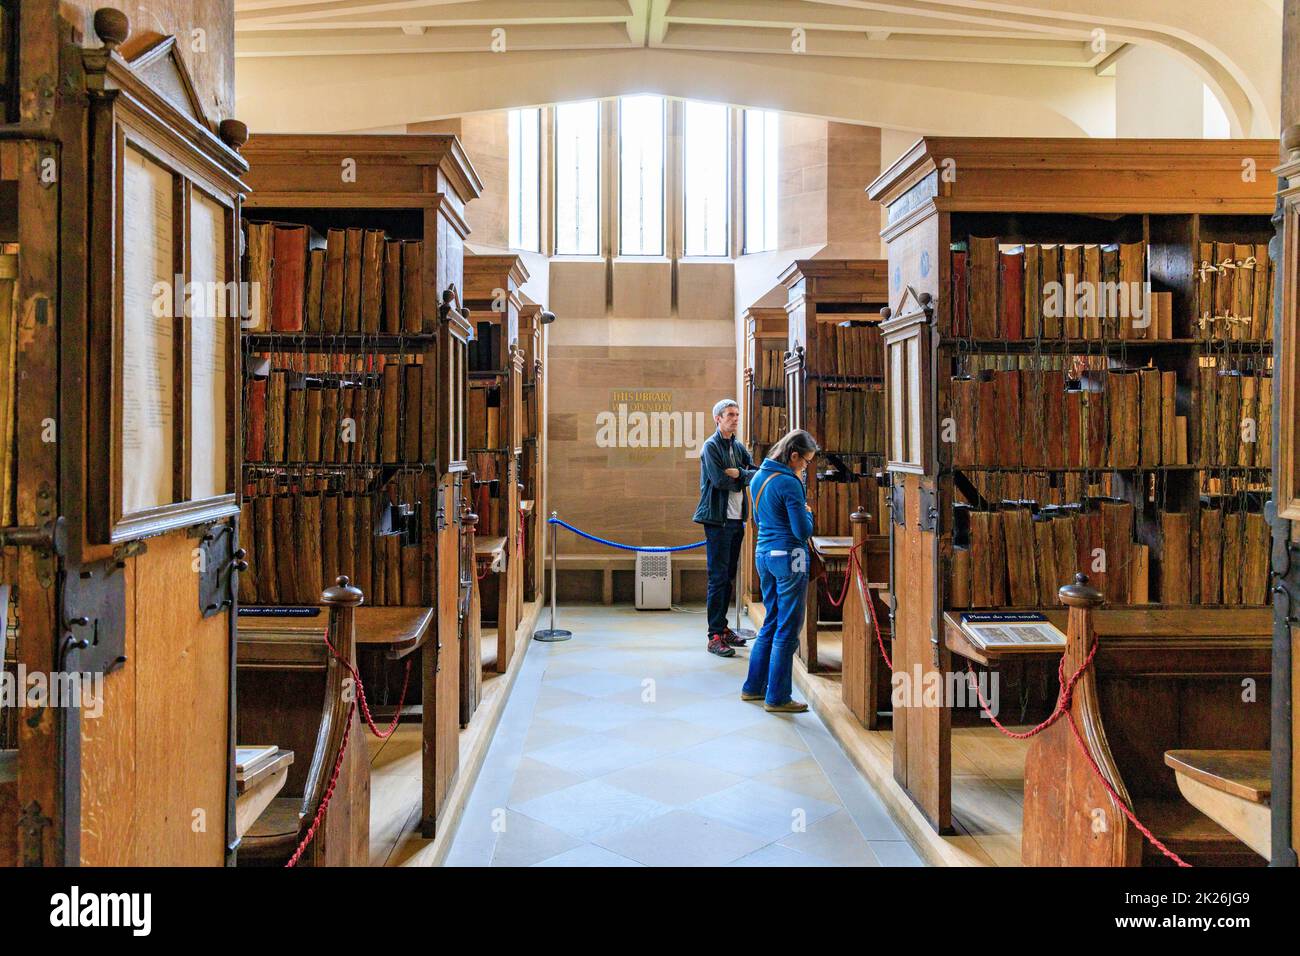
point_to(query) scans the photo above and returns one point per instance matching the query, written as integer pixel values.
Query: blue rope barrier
(615, 544)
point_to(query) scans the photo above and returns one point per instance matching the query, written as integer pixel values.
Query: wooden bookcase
(835, 390)
(400, 479)
(1135, 496)
(532, 465)
(496, 374)
(766, 341)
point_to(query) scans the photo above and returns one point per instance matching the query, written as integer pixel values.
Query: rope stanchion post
(552, 634)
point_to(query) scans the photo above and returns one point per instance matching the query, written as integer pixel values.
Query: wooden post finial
(112, 26)
(342, 594)
(1080, 594)
(860, 516)
(233, 133)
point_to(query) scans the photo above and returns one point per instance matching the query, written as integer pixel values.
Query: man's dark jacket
(717, 455)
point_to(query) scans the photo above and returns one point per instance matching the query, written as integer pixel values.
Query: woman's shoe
(789, 707)
(744, 696)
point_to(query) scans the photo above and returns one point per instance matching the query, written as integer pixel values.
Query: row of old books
(10, 315)
(352, 280)
(299, 542)
(1020, 556)
(1037, 418)
(307, 411)
(834, 501)
(850, 420)
(1052, 291)
(1236, 416)
(1234, 292)
(1045, 487)
(769, 368)
(849, 351)
(770, 424)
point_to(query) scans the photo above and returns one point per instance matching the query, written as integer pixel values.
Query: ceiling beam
(444, 40)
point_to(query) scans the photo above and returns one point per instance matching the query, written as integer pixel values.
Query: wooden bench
(469, 614)
(607, 565)
(1233, 788)
(255, 790)
(291, 690)
(1162, 679)
(492, 554)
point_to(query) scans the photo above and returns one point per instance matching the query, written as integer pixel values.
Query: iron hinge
(220, 562)
(32, 826)
(929, 517)
(1286, 578)
(897, 504)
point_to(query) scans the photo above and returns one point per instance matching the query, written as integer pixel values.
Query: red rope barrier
(361, 692)
(871, 605)
(329, 791)
(1063, 709)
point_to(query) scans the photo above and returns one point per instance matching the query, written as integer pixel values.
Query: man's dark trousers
(722, 551)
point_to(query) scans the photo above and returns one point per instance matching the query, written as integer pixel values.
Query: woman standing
(784, 523)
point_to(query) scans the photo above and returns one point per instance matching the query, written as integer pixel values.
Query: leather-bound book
(1139, 579)
(329, 424)
(963, 392)
(312, 425)
(1022, 575)
(1071, 279)
(330, 568)
(1117, 539)
(1054, 438)
(1088, 538)
(268, 578)
(393, 286)
(1243, 291)
(332, 288)
(1032, 325)
(998, 559)
(1151, 403)
(1261, 324)
(255, 420)
(347, 547)
(1207, 402)
(286, 554)
(309, 548)
(412, 577)
(258, 275)
(372, 280)
(411, 433)
(354, 240)
(987, 418)
(414, 320)
(392, 389)
(248, 541)
(981, 588)
(1206, 273)
(1064, 531)
(1074, 428)
(1254, 577)
(1090, 321)
(1169, 418)
(1007, 405)
(1228, 416)
(288, 277)
(364, 543)
(1053, 291)
(959, 579)
(276, 401)
(983, 268)
(296, 424)
(1248, 427)
(1123, 397)
(1048, 578)
(315, 290)
(1211, 556)
(1225, 285)
(392, 553)
(1234, 541)
(1175, 558)
(1132, 274)
(374, 399)
(1012, 293)
(1264, 434)
(1107, 308)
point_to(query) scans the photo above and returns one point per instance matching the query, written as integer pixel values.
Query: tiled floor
(629, 746)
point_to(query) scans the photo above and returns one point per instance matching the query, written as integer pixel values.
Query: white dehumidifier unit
(654, 581)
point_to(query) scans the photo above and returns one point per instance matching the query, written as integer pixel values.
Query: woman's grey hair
(723, 405)
(795, 442)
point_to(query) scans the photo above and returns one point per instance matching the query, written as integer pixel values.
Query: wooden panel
(141, 805)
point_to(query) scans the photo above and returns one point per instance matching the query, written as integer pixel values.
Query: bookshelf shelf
(362, 283)
(972, 263)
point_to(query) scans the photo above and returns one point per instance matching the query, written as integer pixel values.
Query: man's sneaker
(733, 639)
(789, 707)
(718, 645)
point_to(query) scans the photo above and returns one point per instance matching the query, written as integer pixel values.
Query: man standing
(725, 470)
